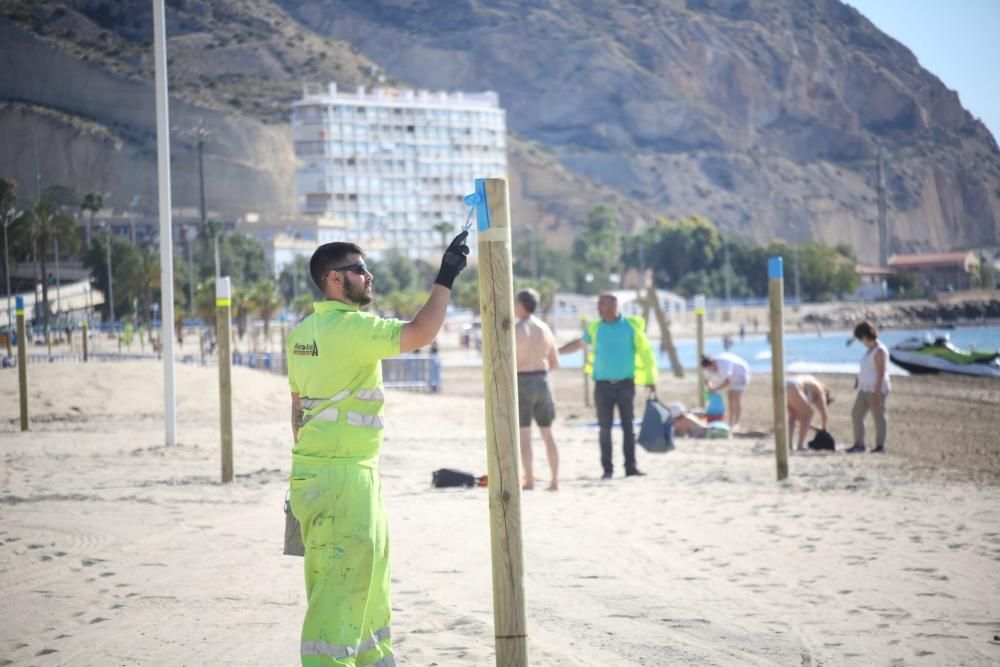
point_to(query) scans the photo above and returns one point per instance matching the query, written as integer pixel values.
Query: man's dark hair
(329, 256)
(866, 330)
(706, 361)
(528, 298)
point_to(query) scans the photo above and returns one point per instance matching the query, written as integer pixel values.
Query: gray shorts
(534, 399)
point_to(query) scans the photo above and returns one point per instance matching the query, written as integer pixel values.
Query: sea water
(815, 351)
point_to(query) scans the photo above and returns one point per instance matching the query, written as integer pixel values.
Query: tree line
(687, 255)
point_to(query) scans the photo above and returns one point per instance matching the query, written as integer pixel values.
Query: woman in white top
(731, 373)
(873, 389)
(805, 395)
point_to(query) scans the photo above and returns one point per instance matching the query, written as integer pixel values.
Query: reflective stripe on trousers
(322, 648)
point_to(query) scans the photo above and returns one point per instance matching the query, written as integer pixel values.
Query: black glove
(453, 261)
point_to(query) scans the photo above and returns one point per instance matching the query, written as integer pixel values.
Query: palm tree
(444, 229)
(266, 302)
(92, 202)
(145, 277)
(242, 305)
(45, 224)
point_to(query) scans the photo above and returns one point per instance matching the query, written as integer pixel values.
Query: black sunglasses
(359, 268)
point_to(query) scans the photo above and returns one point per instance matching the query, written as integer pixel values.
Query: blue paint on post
(775, 268)
(482, 210)
(19, 304)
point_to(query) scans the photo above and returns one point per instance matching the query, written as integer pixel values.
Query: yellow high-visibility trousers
(339, 505)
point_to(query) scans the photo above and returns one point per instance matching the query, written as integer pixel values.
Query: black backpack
(823, 440)
(446, 477)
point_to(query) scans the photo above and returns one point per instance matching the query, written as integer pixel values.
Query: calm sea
(825, 352)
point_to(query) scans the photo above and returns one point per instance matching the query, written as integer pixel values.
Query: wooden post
(222, 324)
(699, 317)
(86, 343)
(496, 297)
(666, 341)
(776, 298)
(22, 362)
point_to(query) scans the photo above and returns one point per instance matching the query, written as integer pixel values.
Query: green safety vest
(645, 361)
(334, 364)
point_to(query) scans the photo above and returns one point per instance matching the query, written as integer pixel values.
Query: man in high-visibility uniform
(621, 357)
(335, 375)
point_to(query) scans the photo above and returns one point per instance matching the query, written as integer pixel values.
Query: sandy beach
(115, 550)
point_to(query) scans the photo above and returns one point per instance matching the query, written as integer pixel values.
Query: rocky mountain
(765, 116)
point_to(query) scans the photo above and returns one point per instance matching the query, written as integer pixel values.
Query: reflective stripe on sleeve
(375, 394)
(368, 421)
(310, 403)
(328, 415)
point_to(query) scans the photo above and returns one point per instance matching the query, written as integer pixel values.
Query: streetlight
(111, 287)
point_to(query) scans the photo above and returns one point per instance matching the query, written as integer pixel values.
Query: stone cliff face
(765, 116)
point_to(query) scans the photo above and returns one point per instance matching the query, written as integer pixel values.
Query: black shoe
(606, 475)
(856, 449)
(879, 450)
(634, 472)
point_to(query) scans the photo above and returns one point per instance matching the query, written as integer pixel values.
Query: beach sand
(115, 550)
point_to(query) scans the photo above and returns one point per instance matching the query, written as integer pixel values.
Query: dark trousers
(606, 396)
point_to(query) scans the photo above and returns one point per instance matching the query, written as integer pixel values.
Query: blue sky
(957, 40)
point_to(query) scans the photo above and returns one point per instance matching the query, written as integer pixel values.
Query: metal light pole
(111, 287)
(58, 281)
(6, 261)
(187, 240)
(166, 235)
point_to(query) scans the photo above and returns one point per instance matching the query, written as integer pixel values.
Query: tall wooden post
(222, 324)
(666, 341)
(699, 318)
(496, 297)
(776, 298)
(86, 343)
(22, 363)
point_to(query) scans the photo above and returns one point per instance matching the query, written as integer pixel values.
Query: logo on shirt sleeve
(306, 350)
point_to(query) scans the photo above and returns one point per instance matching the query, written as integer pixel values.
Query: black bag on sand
(656, 434)
(293, 531)
(822, 441)
(445, 478)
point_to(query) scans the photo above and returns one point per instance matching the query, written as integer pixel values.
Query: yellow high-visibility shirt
(334, 365)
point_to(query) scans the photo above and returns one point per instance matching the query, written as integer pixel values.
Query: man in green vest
(335, 376)
(621, 358)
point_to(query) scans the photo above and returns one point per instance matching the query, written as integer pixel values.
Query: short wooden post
(86, 343)
(699, 318)
(22, 362)
(776, 299)
(496, 297)
(222, 324)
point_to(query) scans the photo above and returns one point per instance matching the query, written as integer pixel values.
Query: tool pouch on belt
(293, 531)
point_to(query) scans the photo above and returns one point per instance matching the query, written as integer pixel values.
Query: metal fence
(413, 372)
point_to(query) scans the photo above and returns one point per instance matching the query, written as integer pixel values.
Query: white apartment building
(392, 164)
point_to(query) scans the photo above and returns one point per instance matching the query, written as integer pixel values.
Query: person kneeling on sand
(804, 393)
(688, 424)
